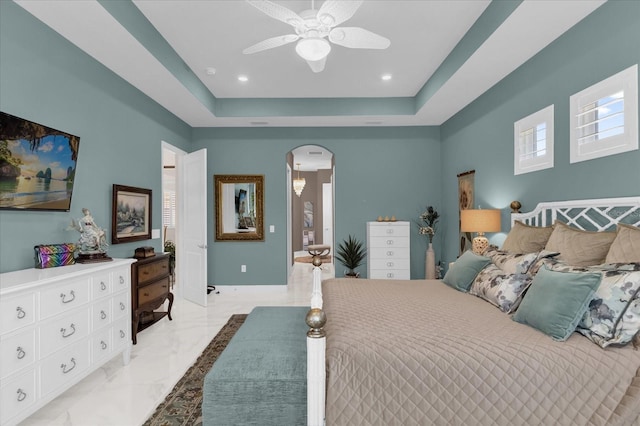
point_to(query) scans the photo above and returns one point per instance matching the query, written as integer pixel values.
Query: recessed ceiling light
(386, 77)
(243, 78)
(210, 71)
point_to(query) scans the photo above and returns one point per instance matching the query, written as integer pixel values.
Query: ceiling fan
(313, 28)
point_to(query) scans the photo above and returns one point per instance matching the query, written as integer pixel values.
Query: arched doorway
(310, 215)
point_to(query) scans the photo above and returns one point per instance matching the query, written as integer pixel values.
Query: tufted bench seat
(261, 376)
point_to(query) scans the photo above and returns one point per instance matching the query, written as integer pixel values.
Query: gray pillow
(556, 301)
(526, 239)
(462, 273)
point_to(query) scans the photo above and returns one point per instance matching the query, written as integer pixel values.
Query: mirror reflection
(239, 207)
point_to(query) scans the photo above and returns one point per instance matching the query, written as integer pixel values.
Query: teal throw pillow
(462, 273)
(556, 301)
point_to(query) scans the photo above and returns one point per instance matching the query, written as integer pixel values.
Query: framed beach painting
(131, 217)
(37, 165)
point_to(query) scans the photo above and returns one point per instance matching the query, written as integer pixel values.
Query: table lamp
(480, 221)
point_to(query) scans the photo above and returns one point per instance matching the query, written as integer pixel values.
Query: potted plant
(351, 253)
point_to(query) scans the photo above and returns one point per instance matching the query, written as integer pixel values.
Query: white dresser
(57, 325)
(388, 250)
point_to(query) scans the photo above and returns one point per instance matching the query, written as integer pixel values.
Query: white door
(327, 215)
(191, 258)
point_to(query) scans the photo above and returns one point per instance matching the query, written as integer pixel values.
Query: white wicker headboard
(591, 215)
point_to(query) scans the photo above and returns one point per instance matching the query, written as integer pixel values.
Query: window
(604, 117)
(533, 142)
(169, 209)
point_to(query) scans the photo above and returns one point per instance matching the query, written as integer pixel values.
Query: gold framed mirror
(239, 207)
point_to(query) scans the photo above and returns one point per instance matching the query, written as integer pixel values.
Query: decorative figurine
(92, 245)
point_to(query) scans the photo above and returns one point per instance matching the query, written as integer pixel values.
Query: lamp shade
(480, 220)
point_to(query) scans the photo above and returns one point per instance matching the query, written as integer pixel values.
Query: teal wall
(45, 79)
(379, 172)
(481, 136)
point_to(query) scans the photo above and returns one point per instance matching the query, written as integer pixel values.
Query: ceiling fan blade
(278, 12)
(270, 43)
(317, 66)
(358, 38)
(335, 12)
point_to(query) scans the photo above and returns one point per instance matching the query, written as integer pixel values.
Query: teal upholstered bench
(261, 376)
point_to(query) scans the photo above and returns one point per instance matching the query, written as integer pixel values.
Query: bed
(421, 352)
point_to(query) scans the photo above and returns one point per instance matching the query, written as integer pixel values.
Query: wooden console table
(150, 287)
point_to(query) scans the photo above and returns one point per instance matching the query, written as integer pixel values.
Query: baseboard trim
(251, 288)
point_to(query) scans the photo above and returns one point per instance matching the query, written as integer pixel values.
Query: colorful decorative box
(52, 255)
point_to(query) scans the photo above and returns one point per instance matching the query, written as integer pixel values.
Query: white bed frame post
(316, 347)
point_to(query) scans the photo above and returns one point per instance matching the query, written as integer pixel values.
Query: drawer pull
(121, 279)
(103, 315)
(389, 264)
(64, 331)
(64, 366)
(389, 242)
(146, 294)
(390, 275)
(103, 344)
(122, 307)
(390, 231)
(103, 286)
(21, 352)
(64, 297)
(21, 395)
(122, 334)
(21, 313)
(390, 253)
(145, 272)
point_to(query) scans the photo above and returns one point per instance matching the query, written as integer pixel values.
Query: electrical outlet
(272, 228)
(243, 268)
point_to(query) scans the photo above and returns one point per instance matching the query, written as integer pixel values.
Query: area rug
(183, 406)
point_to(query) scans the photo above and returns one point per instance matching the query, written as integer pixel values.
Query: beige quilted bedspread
(420, 353)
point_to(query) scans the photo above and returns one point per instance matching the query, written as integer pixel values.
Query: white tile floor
(118, 395)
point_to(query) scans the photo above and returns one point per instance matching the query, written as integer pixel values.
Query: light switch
(272, 228)
(155, 233)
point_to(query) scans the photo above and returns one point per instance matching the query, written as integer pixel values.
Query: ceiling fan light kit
(314, 30)
(313, 48)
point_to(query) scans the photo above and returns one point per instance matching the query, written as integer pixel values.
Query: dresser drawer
(390, 263)
(101, 313)
(121, 279)
(17, 311)
(120, 303)
(388, 253)
(121, 336)
(64, 366)
(101, 344)
(388, 230)
(17, 352)
(153, 291)
(151, 271)
(388, 242)
(64, 297)
(389, 274)
(17, 395)
(64, 331)
(101, 285)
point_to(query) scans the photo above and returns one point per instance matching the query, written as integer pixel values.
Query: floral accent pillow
(498, 288)
(511, 263)
(613, 316)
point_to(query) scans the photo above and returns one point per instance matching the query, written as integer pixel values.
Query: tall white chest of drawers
(58, 325)
(388, 250)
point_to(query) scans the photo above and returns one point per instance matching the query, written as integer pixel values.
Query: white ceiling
(164, 48)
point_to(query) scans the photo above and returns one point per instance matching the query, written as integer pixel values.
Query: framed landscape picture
(131, 218)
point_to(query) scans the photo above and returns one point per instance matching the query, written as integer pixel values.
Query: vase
(430, 263)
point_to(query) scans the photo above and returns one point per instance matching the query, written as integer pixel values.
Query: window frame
(530, 123)
(625, 81)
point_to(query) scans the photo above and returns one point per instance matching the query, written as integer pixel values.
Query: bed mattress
(420, 353)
